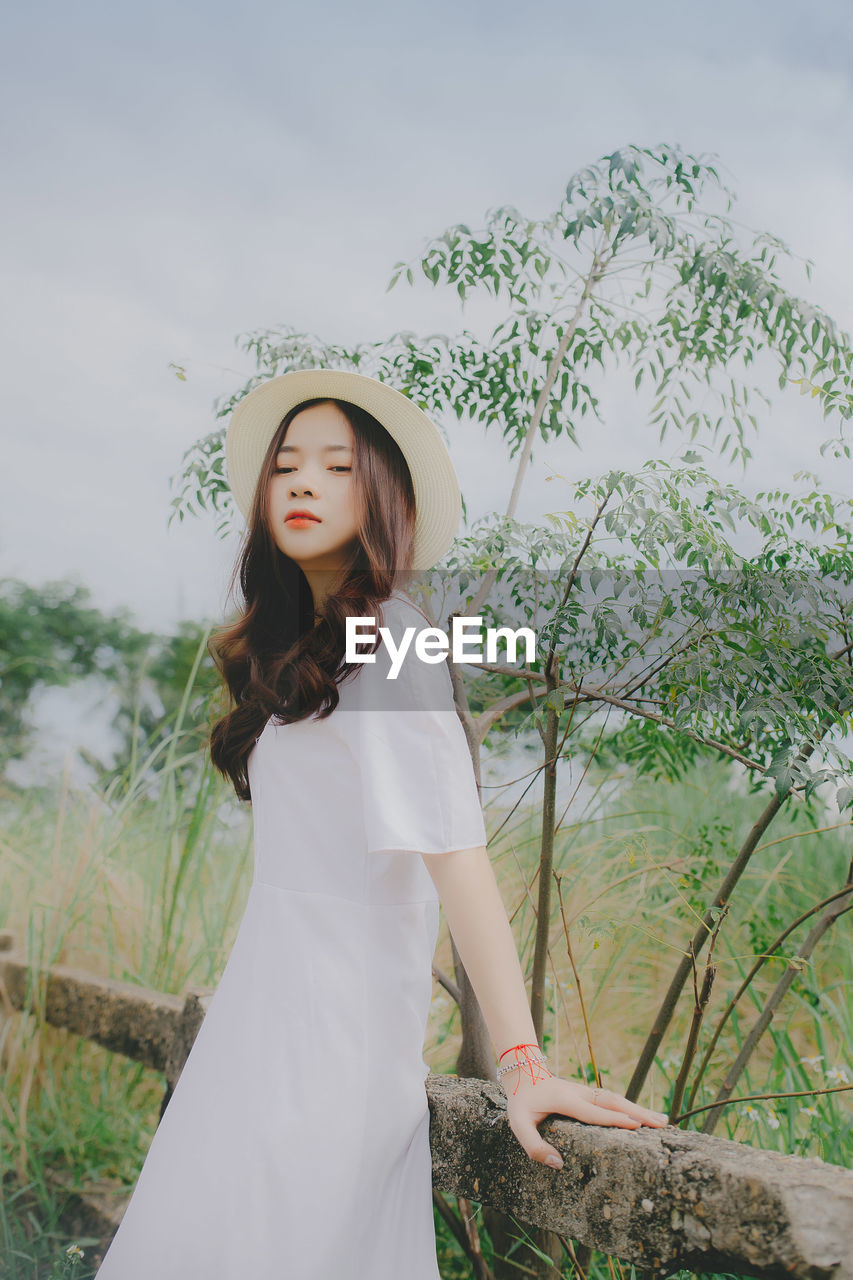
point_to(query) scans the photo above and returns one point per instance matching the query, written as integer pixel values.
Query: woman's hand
(529, 1101)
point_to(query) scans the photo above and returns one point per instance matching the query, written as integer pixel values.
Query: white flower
(837, 1075)
(808, 1111)
(749, 1112)
(812, 1062)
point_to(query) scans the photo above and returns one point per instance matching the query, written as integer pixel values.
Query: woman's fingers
(578, 1102)
(601, 1113)
(524, 1128)
(609, 1101)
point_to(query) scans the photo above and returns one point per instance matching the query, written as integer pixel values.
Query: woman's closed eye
(280, 471)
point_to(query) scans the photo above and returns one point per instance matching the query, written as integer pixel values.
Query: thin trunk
(745, 985)
(597, 270)
(694, 946)
(777, 995)
(700, 1001)
(682, 973)
(475, 1057)
(599, 266)
(546, 863)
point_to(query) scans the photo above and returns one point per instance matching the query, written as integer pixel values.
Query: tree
(53, 635)
(173, 687)
(747, 658)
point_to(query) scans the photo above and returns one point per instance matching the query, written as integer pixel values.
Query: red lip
(301, 515)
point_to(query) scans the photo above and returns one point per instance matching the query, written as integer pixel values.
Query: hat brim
(259, 414)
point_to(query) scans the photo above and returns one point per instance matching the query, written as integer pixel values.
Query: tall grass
(637, 863)
(144, 881)
(147, 883)
(635, 872)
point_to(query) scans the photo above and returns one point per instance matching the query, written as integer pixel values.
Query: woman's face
(314, 474)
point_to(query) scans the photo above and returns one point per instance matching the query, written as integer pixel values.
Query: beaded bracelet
(527, 1059)
(513, 1066)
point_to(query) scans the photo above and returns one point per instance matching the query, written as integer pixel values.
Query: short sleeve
(418, 787)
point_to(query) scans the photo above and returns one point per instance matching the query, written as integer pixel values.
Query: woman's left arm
(477, 919)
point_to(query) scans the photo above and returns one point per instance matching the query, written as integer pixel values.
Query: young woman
(296, 1142)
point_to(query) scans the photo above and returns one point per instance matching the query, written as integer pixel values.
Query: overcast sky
(178, 175)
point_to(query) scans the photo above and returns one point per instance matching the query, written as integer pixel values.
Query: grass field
(148, 886)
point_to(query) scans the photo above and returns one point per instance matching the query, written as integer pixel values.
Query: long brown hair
(272, 658)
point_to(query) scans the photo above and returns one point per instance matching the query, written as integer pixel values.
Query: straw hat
(259, 414)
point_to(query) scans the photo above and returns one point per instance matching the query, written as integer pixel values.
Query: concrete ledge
(662, 1199)
(151, 1027)
(659, 1198)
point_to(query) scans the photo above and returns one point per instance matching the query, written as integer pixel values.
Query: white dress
(295, 1145)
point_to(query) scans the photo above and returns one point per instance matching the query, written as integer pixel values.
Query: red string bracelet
(536, 1064)
(519, 1046)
